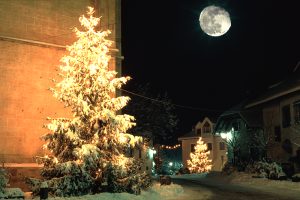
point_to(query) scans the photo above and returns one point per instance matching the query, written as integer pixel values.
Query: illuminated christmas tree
(87, 152)
(199, 161)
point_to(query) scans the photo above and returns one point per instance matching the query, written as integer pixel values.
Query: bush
(183, 171)
(228, 168)
(266, 170)
(3, 180)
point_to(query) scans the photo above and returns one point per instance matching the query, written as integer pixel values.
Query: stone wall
(33, 34)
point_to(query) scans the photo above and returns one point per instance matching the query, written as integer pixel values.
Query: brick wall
(26, 68)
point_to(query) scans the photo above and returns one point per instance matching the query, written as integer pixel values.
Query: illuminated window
(286, 116)
(209, 146)
(222, 146)
(296, 107)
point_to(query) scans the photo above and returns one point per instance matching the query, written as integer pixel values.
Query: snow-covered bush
(296, 177)
(266, 170)
(131, 181)
(228, 168)
(34, 185)
(3, 180)
(184, 171)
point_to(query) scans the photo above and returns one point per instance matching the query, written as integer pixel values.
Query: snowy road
(195, 190)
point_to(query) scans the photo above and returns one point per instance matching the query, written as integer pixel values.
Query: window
(296, 107)
(199, 131)
(286, 116)
(222, 146)
(209, 146)
(193, 148)
(277, 134)
(206, 128)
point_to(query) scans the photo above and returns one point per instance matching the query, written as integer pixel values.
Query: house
(237, 125)
(270, 120)
(280, 106)
(144, 153)
(215, 144)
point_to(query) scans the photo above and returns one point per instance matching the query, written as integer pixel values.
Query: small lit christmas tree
(87, 152)
(199, 161)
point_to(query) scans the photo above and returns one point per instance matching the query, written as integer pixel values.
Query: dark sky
(164, 45)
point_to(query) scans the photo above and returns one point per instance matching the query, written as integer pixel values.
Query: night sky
(163, 45)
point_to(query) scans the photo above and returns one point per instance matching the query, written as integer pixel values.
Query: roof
(190, 134)
(279, 89)
(211, 118)
(252, 117)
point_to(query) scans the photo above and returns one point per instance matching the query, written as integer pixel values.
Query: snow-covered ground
(237, 184)
(156, 192)
(245, 182)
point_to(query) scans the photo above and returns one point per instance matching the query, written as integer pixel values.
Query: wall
(144, 155)
(27, 66)
(215, 154)
(272, 114)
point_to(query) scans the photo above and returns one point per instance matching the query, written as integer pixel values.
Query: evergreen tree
(156, 119)
(3, 180)
(84, 150)
(199, 161)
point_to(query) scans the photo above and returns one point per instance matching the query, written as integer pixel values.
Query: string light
(170, 147)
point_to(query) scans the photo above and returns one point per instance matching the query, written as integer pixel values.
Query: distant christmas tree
(199, 161)
(88, 151)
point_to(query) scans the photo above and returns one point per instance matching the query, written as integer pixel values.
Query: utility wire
(176, 105)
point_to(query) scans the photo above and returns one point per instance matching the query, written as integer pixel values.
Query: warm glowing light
(199, 161)
(121, 161)
(227, 136)
(55, 160)
(170, 147)
(93, 69)
(151, 153)
(94, 137)
(122, 138)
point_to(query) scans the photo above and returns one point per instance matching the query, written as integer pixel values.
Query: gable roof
(285, 87)
(190, 134)
(252, 117)
(193, 134)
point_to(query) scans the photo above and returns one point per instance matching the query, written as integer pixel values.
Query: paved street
(194, 190)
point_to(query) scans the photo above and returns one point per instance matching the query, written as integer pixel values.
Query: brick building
(33, 35)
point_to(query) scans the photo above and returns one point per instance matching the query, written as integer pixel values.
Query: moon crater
(214, 21)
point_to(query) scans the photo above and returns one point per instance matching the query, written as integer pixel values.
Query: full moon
(214, 21)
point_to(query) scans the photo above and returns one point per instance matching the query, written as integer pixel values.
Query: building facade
(269, 125)
(215, 144)
(33, 36)
(280, 107)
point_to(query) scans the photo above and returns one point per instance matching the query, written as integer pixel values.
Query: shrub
(3, 180)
